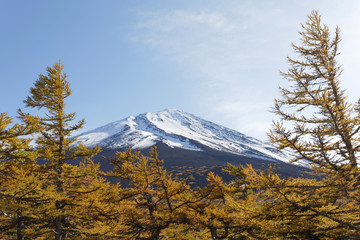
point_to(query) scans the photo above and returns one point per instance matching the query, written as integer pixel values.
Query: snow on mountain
(178, 129)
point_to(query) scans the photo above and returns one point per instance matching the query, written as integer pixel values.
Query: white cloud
(216, 45)
(223, 51)
(232, 54)
(194, 39)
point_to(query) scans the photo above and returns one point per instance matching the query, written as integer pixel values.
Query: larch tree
(222, 210)
(321, 126)
(55, 149)
(293, 208)
(323, 129)
(152, 203)
(20, 181)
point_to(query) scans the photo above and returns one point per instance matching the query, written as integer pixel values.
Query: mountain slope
(178, 129)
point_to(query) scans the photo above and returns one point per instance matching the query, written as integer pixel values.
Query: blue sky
(219, 60)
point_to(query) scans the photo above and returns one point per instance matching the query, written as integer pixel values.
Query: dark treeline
(58, 200)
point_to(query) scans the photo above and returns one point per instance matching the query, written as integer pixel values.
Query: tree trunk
(59, 233)
(20, 227)
(58, 228)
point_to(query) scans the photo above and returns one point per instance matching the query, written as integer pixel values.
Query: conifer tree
(153, 201)
(214, 210)
(55, 149)
(322, 128)
(20, 183)
(291, 208)
(316, 120)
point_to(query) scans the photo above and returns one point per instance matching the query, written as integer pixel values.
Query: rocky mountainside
(187, 141)
(178, 129)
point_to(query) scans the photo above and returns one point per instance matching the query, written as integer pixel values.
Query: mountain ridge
(178, 129)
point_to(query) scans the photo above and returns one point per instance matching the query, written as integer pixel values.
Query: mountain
(178, 129)
(185, 140)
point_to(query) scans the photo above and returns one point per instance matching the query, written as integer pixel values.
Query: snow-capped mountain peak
(178, 129)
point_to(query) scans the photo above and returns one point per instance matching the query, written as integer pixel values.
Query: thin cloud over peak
(222, 49)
